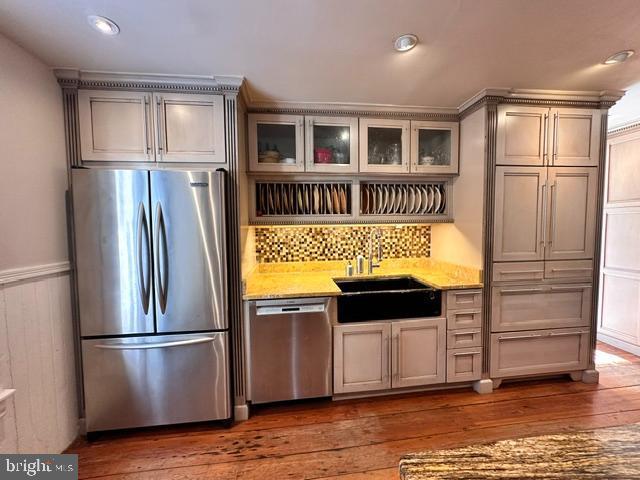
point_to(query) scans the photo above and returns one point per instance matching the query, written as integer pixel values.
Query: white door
(361, 357)
(571, 217)
(384, 145)
(519, 204)
(575, 140)
(331, 144)
(190, 128)
(115, 126)
(419, 352)
(619, 315)
(522, 135)
(434, 147)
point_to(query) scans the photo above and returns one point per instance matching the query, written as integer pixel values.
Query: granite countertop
(315, 279)
(606, 453)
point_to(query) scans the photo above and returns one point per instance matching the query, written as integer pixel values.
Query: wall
(36, 334)
(461, 242)
(619, 315)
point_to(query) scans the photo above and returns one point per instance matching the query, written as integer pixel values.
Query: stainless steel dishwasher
(289, 349)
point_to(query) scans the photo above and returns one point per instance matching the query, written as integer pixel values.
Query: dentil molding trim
(32, 272)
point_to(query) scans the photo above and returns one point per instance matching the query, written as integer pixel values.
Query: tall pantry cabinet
(542, 207)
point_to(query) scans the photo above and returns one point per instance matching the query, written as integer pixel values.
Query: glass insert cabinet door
(332, 144)
(276, 143)
(434, 147)
(384, 145)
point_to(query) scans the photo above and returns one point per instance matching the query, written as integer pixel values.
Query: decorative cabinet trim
(32, 272)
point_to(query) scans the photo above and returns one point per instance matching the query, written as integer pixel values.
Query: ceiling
(341, 50)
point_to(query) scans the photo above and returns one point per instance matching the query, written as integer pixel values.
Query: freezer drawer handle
(146, 346)
(284, 309)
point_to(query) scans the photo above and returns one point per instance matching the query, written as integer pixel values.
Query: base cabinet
(464, 364)
(384, 355)
(539, 352)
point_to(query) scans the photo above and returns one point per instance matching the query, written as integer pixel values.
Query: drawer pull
(565, 334)
(572, 288)
(472, 332)
(520, 337)
(464, 354)
(520, 272)
(522, 290)
(584, 269)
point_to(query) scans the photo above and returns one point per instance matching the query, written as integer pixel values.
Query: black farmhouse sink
(365, 300)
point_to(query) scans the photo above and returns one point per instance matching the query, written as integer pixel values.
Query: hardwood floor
(360, 439)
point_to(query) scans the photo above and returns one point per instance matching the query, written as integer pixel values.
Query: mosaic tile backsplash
(313, 243)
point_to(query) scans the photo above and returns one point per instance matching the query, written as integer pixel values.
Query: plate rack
(276, 201)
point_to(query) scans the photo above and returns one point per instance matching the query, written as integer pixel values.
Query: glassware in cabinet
(276, 143)
(384, 145)
(331, 144)
(434, 147)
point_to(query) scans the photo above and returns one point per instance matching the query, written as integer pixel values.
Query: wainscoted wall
(295, 244)
(37, 359)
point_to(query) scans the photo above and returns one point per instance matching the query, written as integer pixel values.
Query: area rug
(606, 453)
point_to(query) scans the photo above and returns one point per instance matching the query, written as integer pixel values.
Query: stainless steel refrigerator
(152, 286)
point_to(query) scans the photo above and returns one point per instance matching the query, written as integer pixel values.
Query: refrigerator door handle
(162, 259)
(147, 346)
(144, 277)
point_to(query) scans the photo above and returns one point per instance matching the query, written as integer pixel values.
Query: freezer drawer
(155, 380)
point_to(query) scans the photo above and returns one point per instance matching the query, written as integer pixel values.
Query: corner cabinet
(123, 126)
(548, 136)
(383, 355)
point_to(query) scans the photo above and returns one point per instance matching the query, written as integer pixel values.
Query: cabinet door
(361, 357)
(464, 365)
(115, 126)
(529, 307)
(522, 135)
(331, 144)
(190, 128)
(572, 213)
(384, 145)
(519, 202)
(276, 143)
(538, 352)
(434, 147)
(576, 137)
(419, 352)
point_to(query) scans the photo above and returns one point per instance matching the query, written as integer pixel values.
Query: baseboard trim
(32, 272)
(621, 344)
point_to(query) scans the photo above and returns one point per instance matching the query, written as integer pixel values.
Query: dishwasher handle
(290, 309)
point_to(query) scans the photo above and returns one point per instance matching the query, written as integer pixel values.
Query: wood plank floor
(359, 439)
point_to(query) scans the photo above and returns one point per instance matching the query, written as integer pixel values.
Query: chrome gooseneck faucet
(378, 234)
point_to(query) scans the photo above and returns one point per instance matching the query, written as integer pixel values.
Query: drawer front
(471, 337)
(539, 352)
(528, 307)
(464, 318)
(518, 271)
(464, 299)
(464, 364)
(569, 269)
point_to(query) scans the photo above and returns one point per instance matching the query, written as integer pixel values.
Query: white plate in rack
(392, 199)
(425, 199)
(412, 199)
(416, 207)
(437, 199)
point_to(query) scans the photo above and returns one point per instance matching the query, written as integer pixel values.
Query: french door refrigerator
(152, 288)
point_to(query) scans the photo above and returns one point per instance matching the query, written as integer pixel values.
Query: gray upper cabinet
(572, 213)
(123, 126)
(522, 135)
(384, 145)
(547, 136)
(331, 144)
(434, 147)
(518, 222)
(115, 126)
(276, 143)
(576, 137)
(190, 128)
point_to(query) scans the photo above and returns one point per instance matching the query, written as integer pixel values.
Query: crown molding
(624, 128)
(70, 78)
(550, 98)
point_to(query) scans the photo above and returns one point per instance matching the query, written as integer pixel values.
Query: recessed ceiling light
(405, 42)
(618, 57)
(104, 25)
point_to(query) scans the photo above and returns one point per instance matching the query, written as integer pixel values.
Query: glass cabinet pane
(384, 146)
(434, 147)
(331, 144)
(276, 143)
